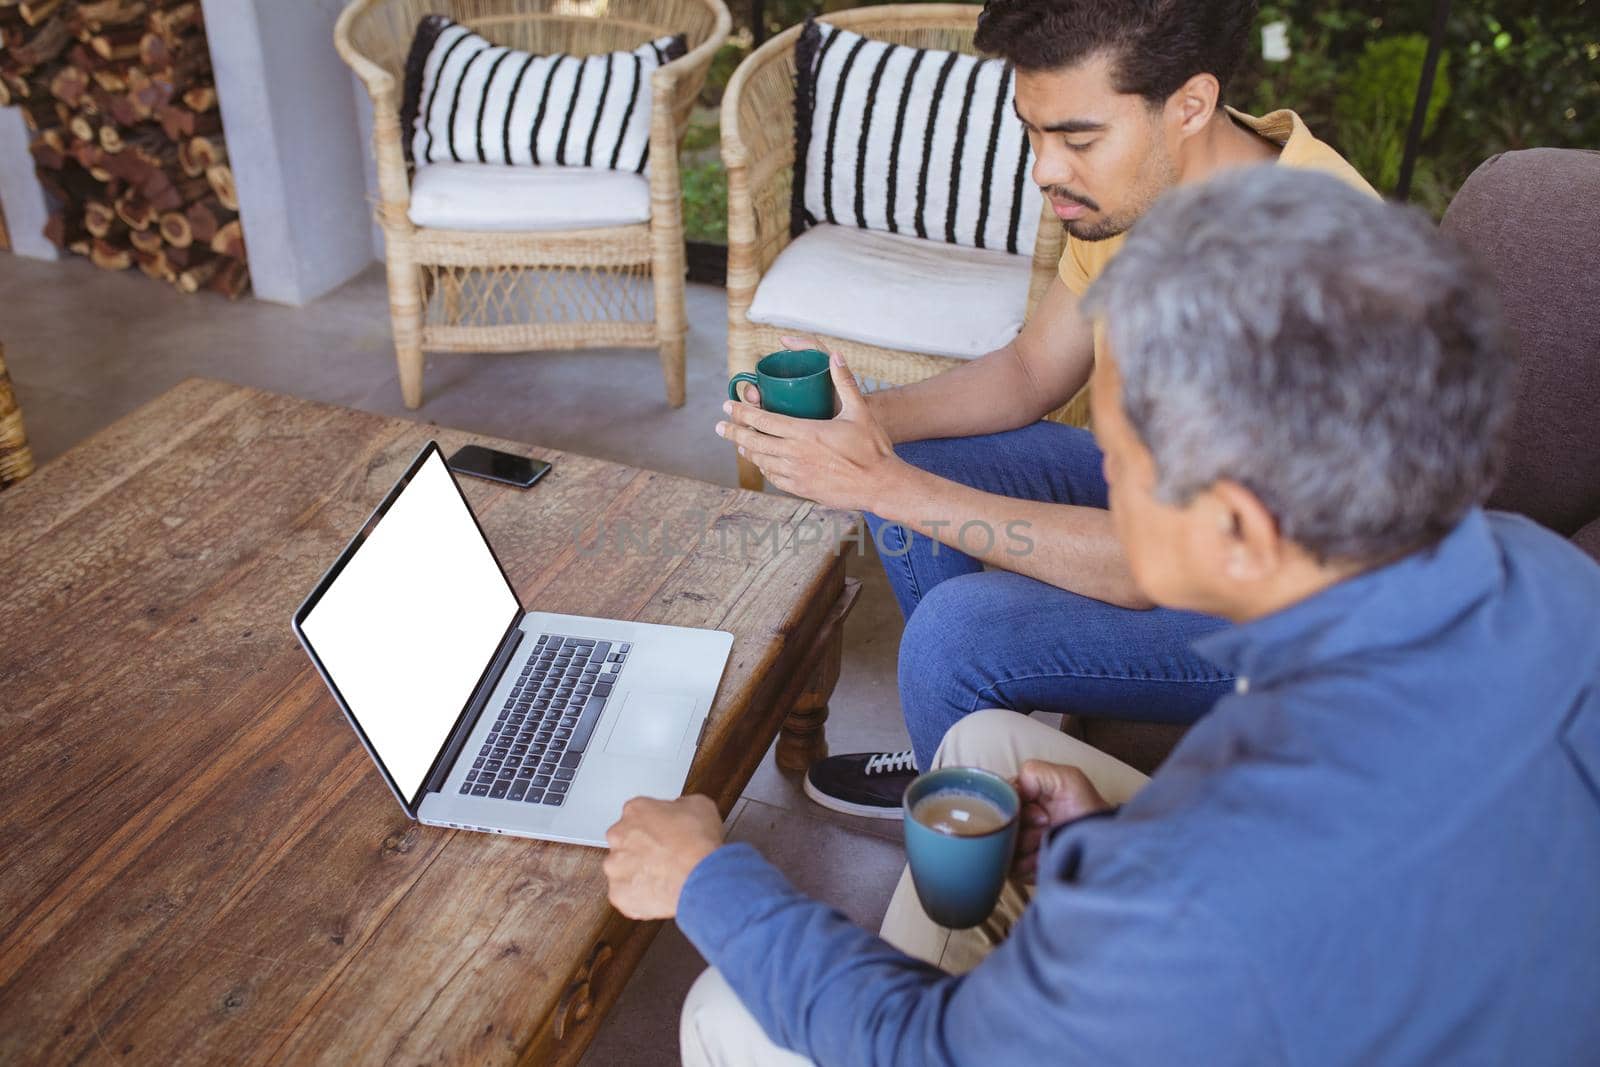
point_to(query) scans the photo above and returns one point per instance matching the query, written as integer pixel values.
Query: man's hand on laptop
(845, 462)
(1051, 794)
(654, 846)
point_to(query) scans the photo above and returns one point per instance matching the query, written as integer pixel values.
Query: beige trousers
(715, 1029)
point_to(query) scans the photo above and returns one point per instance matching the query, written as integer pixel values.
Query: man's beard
(1101, 230)
(1160, 175)
(1083, 229)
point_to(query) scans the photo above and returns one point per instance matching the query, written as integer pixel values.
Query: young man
(1383, 847)
(1121, 101)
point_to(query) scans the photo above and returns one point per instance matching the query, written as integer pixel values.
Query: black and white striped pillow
(909, 140)
(470, 101)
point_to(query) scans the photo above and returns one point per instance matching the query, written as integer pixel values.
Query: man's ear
(1251, 545)
(1192, 105)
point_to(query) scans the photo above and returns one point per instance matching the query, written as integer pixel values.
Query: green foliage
(704, 133)
(723, 64)
(1373, 108)
(1521, 74)
(1383, 82)
(705, 202)
(1308, 80)
(1536, 79)
(705, 182)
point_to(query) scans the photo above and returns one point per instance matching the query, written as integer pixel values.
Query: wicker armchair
(470, 291)
(16, 459)
(758, 150)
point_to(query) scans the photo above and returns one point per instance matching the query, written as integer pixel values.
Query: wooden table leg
(803, 738)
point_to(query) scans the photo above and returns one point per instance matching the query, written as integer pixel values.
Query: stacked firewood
(127, 136)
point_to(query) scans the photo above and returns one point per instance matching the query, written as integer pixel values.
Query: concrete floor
(86, 347)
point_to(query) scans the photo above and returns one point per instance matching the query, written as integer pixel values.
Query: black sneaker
(870, 784)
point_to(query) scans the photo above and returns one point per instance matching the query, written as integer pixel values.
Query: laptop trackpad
(651, 724)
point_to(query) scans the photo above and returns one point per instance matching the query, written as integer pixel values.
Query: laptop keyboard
(543, 730)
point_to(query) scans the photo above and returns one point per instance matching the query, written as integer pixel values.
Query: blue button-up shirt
(1385, 849)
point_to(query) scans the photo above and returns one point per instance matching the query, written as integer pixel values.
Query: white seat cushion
(895, 291)
(488, 196)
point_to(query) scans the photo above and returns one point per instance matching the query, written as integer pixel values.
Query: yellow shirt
(1082, 261)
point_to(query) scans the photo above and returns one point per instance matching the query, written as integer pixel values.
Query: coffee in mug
(959, 813)
(961, 830)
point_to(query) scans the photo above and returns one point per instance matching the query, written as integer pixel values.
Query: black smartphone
(497, 466)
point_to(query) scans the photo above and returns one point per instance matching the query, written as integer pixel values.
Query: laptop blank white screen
(407, 627)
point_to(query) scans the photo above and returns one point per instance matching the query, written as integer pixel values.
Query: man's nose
(1051, 167)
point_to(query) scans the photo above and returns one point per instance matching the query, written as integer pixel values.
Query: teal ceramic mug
(792, 383)
(959, 871)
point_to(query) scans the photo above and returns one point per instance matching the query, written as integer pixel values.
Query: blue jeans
(978, 639)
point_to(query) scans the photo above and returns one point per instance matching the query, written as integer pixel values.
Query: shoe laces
(892, 762)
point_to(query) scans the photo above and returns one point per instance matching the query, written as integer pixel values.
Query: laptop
(484, 716)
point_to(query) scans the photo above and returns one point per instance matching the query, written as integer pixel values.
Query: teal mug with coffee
(792, 383)
(961, 831)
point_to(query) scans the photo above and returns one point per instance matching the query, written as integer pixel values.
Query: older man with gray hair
(1384, 847)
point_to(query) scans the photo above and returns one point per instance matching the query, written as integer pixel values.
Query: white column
(293, 142)
(20, 193)
(369, 162)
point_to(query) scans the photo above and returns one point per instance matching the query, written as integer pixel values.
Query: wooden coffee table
(200, 862)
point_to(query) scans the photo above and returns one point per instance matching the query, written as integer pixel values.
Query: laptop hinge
(452, 749)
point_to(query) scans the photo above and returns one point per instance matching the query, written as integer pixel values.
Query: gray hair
(1333, 354)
